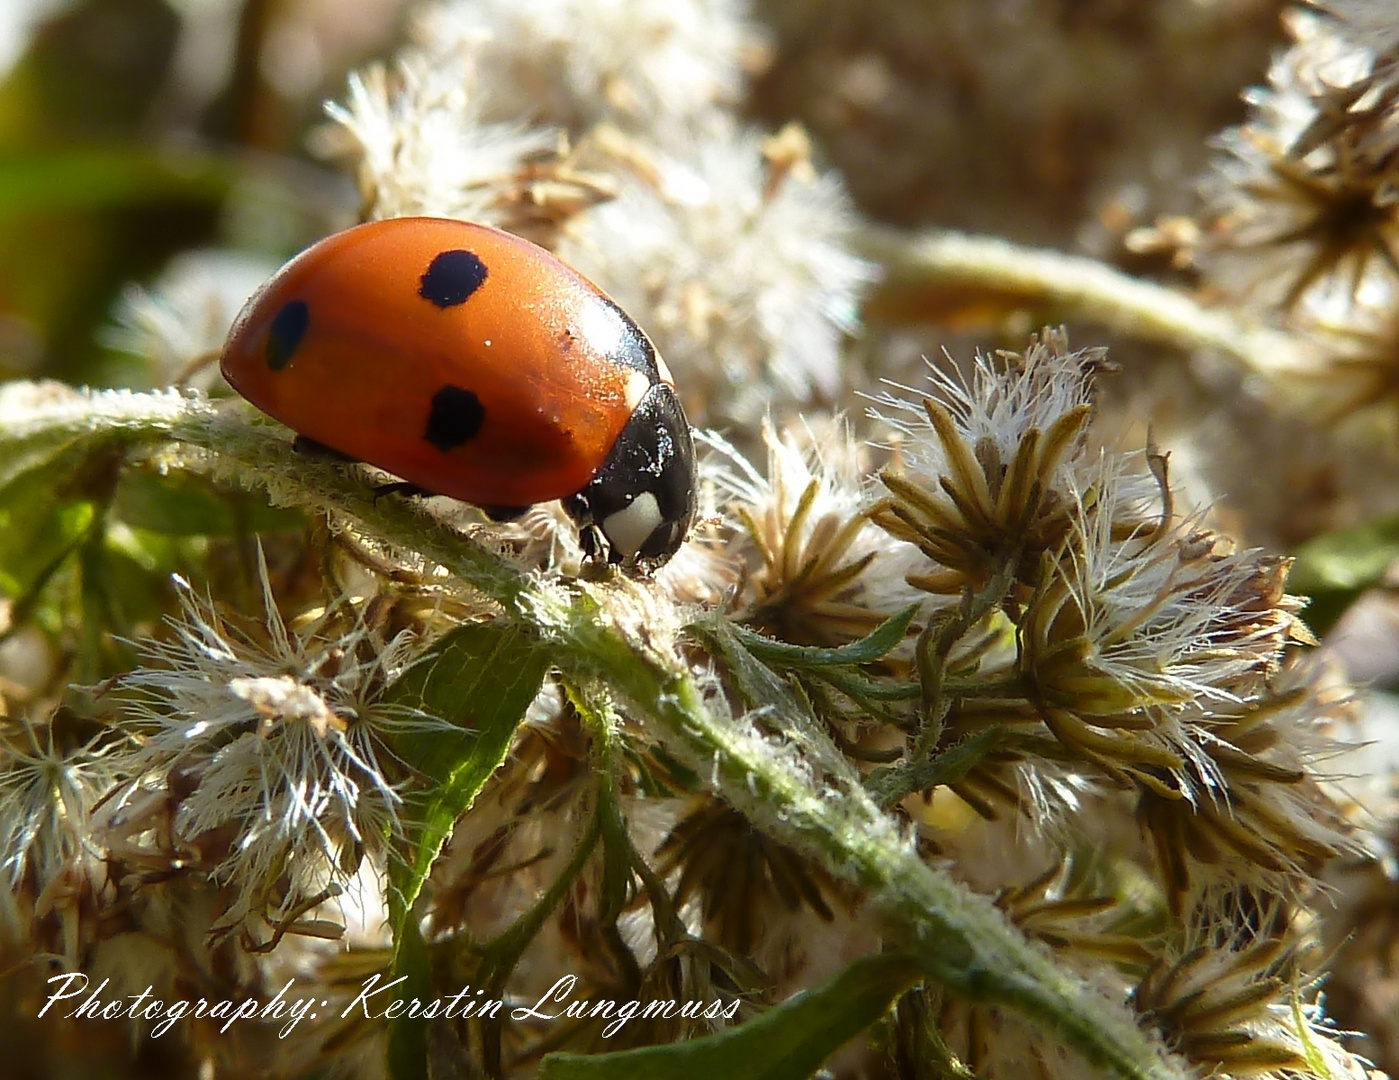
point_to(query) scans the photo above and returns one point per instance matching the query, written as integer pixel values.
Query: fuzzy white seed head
(178, 325)
(819, 571)
(735, 261)
(1299, 204)
(1369, 25)
(649, 66)
(1005, 397)
(46, 796)
(423, 147)
(1162, 611)
(280, 739)
(989, 466)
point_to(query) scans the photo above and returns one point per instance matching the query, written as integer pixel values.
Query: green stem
(605, 727)
(500, 955)
(935, 646)
(617, 887)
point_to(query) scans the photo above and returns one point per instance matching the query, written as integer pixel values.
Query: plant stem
(1073, 287)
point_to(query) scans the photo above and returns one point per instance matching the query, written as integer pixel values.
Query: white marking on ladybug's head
(637, 386)
(664, 371)
(629, 528)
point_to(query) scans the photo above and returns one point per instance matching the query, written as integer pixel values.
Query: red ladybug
(474, 364)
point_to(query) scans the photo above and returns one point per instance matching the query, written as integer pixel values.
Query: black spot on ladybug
(285, 333)
(451, 278)
(634, 348)
(456, 417)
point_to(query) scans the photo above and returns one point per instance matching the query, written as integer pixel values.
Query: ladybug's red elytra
(474, 364)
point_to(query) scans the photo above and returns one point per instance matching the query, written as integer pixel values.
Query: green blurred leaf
(1336, 567)
(42, 522)
(481, 678)
(136, 592)
(180, 505)
(53, 490)
(36, 536)
(93, 177)
(788, 1042)
(54, 458)
(1348, 559)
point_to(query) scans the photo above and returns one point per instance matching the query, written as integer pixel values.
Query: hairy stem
(917, 268)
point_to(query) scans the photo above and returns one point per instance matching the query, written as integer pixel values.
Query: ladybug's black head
(642, 500)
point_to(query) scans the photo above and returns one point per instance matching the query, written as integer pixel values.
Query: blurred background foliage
(134, 129)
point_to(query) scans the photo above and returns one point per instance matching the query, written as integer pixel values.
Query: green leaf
(862, 688)
(36, 535)
(55, 460)
(1335, 568)
(889, 784)
(755, 682)
(481, 678)
(1348, 559)
(44, 515)
(788, 1042)
(180, 505)
(868, 649)
(138, 592)
(58, 455)
(88, 178)
(749, 654)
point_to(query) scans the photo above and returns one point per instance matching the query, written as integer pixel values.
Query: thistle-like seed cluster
(957, 626)
(1302, 221)
(270, 748)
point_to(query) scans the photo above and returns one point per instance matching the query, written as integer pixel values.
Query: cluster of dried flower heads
(1057, 684)
(1301, 220)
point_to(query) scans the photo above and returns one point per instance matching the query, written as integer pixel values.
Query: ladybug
(474, 364)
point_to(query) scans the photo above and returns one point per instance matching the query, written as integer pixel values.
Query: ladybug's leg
(303, 444)
(590, 541)
(589, 536)
(404, 488)
(504, 513)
